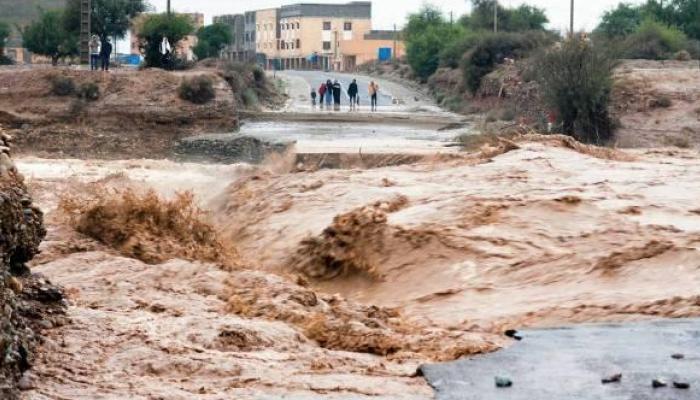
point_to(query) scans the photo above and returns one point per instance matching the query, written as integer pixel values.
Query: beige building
(267, 34)
(322, 36)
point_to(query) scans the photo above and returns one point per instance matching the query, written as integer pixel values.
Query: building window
(298, 25)
(298, 43)
(327, 26)
(326, 45)
(347, 26)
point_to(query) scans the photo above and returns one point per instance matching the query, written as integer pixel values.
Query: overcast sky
(389, 12)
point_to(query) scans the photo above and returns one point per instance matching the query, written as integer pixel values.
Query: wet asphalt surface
(569, 363)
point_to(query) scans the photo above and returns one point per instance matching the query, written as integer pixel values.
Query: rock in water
(658, 383)
(678, 356)
(681, 385)
(503, 382)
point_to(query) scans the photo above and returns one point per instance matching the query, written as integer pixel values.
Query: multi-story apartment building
(236, 51)
(267, 35)
(317, 34)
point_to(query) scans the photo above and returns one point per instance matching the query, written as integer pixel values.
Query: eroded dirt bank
(133, 114)
(29, 304)
(352, 278)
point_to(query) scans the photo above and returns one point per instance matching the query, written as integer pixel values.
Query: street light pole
(495, 16)
(571, 26)
(168, 7)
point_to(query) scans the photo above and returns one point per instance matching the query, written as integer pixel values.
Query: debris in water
(677, 356)
(616, 378)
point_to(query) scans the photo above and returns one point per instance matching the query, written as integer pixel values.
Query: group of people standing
(330, 93)
(100, 53)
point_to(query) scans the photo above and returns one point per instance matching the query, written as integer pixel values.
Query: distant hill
(22, 12)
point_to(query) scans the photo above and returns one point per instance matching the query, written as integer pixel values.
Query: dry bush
(197, 90)
(148, 227)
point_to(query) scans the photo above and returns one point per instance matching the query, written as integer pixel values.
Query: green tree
(48, 36)
(155, 27)
(621, 21)
(211, 39)
(576, 80)
(108, 18)
(427, 35)
(523, 18)
(654, 41)
(4, 35)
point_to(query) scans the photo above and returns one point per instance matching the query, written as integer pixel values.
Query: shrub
(661, 102)
(153, 28)
(576, 82)
(654, 41)
(89, 91)
(493, 48)
(682, 55)
(259, 76)
(453, 52)
(197, 90)
(62, 86)
(250, 98)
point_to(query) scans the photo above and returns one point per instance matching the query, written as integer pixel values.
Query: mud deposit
(350, 279)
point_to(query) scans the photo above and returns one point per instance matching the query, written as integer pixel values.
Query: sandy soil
(539, 233)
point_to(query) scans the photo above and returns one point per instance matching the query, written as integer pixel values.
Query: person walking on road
(352, 93)
(337, 92)
(329, 94)
(106, 53)
(95, 47)
(321, 93)
(373, 94)
(313, 97)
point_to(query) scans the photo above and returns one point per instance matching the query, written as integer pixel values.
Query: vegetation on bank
(567, 77)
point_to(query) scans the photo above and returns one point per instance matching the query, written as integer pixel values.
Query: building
(236, 51)
(317, 36)
(267, 35)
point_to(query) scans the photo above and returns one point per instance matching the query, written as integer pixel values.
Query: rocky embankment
(28, 303)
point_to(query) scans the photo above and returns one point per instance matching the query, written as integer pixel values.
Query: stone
(503, 382)
(677, 356)
(15, 284)
(615, 378)
(658, 383)
(681, 385)
(26, 383)
(513, 334)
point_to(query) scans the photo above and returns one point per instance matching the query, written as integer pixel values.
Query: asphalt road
(569, 363)
(392, 97)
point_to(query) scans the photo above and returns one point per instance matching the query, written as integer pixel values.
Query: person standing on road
(352, 93)
(106, 53)
(373, 93)
(337, 92)
(95, 47)
(321, 93)
(313, 97)
(329, 94)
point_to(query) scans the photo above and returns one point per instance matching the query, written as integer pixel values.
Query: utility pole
(495, 16)
(396, 39)
(571, 26)
(168, 7)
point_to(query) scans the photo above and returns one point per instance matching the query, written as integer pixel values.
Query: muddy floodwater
(350, 279)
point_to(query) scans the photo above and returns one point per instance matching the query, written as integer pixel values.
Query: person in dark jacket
(313, 97)
(337, 92)
(106, 53)
(352, 93)
(329, 94)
